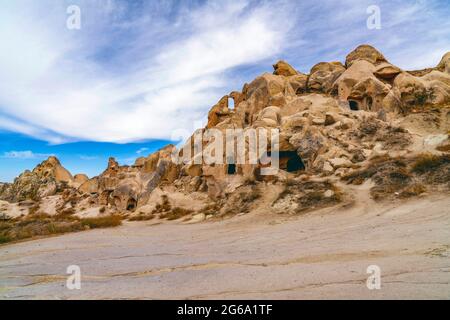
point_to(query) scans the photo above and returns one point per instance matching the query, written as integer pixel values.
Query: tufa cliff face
(334, 123)
(47, 179)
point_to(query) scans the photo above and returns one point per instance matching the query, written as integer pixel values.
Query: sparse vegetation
(369, 127)
(377, 166)
(444, 148)
(142, 217)
(242, 200)
(429, 162)
(211, 209)
(166, 211)
(307, 195)
(102, 222)
(403, 177)
(390, 175)
(422, 97)
(432, 169)
(164, 206)
(4, 239)
(413, 190)
(394, 137)
(41, 224)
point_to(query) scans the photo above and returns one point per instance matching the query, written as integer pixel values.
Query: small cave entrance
(231, 169)
(353, 105)
(131, 204)
(293, 161)
(290, 161)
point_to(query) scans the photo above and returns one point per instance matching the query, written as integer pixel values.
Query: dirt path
(323, 254)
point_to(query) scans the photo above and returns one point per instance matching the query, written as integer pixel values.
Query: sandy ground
(319, 255)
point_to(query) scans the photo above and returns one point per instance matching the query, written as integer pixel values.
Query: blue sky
(139, 74)
(78, 157)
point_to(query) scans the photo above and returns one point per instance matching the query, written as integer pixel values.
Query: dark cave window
(131, 205)
(353, 105)
(294, 162)
(290, 161)
(231, 169)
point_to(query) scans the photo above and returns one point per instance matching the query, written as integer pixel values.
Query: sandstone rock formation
(334, 123)
(365, 52)
(323, 75)
(46, 179)
(282, 68)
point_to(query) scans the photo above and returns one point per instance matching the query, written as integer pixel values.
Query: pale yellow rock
(298, 82)
(328, 193)
(444, 64)
(340, 163)
(411, 90)
(327, 167)
(80, 178)
(323, 75)
(197, 218)
(90, 186)
(194, 170)
(365, 52)
(282, 68)
(386, 70)
(318, 121)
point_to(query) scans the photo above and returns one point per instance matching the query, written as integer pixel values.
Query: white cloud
(87, 158)
(55, 82)
(24, 155)
(142, 150)
(136, 72)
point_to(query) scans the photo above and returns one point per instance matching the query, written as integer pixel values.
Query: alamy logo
(74, 280)
(374, 20)
(374, 280)
(73, 22)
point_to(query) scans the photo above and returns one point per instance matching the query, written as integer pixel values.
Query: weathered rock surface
(367, 53)
(46, 179)
(332, 122)
(282, 68)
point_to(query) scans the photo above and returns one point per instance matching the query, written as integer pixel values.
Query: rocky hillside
(343, 124)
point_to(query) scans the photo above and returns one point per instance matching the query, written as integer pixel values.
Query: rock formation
(334, 124)
(46, 179)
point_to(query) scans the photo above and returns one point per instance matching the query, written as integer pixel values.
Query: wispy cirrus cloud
(142, 150)
(87, 158)
(24, 155)
(126, 76)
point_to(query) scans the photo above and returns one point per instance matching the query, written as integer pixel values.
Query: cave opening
(290, 161)
(353, 105)
(293, 161)
(131, 204)
(231, 169)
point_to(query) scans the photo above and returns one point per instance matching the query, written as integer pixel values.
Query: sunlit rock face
(330, 122)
